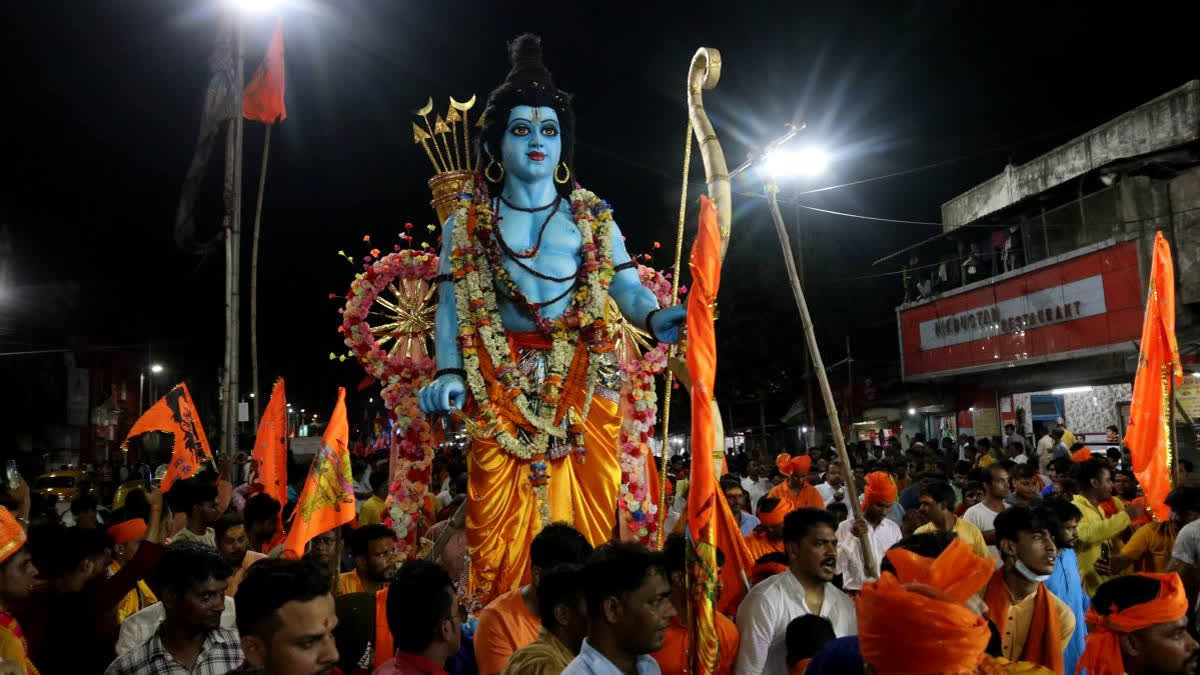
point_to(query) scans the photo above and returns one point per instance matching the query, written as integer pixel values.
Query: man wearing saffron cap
(17, 575)
(882, 532)
(767, 536)
(915, 620)
(795, 492)
(1034, 625)
(1138, 625)
(127, 536)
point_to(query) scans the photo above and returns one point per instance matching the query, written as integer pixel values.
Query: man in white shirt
(755, 484)
(882, 532)
(983, 515)
(834, 487)
(805, 588)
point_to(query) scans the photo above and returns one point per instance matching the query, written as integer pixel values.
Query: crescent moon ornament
(462, 106)
(426, 109)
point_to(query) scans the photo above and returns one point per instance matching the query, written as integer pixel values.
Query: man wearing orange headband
(795, 492)
(767, 537)
(1138, 626)
(882, 532)
(127, 537)
(17, 574)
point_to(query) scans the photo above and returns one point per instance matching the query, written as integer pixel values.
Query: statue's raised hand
(443, 394)
(666, 323)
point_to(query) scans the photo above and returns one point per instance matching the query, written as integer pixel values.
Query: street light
(784, 162)
(156, 368)
(254, 6)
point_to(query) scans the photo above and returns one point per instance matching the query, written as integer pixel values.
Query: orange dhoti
(503, 510)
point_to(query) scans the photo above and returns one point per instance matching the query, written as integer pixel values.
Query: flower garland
(476, 269)
(639, 412)
(402, 377)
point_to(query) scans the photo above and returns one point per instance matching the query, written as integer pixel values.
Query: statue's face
(532, 144)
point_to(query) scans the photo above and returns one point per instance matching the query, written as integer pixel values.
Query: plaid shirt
(220, 654)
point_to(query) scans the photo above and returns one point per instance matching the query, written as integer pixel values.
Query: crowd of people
(982, 557)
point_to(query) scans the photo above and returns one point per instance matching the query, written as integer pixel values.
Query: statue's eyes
(520, 130)
(549, 131)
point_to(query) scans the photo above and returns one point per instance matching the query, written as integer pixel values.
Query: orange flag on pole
(262, 100)
(327, 500)
(703, 501)
(270, 447)
(1150, 436)
(175, 414)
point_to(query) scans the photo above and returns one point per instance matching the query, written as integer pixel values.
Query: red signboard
(1086, 304)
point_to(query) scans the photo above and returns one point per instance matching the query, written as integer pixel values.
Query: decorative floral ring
(405, 275)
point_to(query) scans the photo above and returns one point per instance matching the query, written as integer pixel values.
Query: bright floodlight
(254, 6)
(912, 412)
(156, 368)
(783, 162)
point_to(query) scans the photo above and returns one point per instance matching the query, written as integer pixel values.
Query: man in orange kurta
(511, 620)
(795, 492)
(674, 654)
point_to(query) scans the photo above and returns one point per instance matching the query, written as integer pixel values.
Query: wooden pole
(262, 182)
(869, 565)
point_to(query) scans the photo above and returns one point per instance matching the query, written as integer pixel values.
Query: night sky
(104, 98)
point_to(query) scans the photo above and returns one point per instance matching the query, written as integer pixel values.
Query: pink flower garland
(401, 377)
(639, 411)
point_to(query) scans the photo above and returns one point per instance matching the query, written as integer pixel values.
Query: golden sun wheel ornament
(407, 309)
(389, 314)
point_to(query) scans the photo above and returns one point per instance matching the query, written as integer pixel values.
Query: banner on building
(1088, 303)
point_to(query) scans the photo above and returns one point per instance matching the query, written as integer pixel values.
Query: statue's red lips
(536, 156)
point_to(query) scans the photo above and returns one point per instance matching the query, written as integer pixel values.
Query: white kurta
(850, 559)
(764, 615)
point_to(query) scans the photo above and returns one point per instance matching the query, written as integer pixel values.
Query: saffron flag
(327, 500)
(220, 104)
(270, 448)
(1149, 436)
(703, 501)
(175, 414)
(262, 99)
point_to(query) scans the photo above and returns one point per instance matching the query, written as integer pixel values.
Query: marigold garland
(477, 269)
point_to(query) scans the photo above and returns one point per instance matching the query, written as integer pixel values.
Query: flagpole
(262, 181)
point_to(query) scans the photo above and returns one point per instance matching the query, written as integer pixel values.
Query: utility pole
(233, 251)
(849, 388)
(808, 405)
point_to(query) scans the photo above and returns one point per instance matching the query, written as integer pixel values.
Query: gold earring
(487, 170)
(565, 178)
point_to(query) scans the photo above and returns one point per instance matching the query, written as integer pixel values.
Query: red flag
(1149, 435)
(175, 414)
(327, 500)
(270, 447)
(262, 99)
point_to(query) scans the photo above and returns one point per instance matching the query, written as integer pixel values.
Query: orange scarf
(384, 649)
(1102, 655)
(1042, 644)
